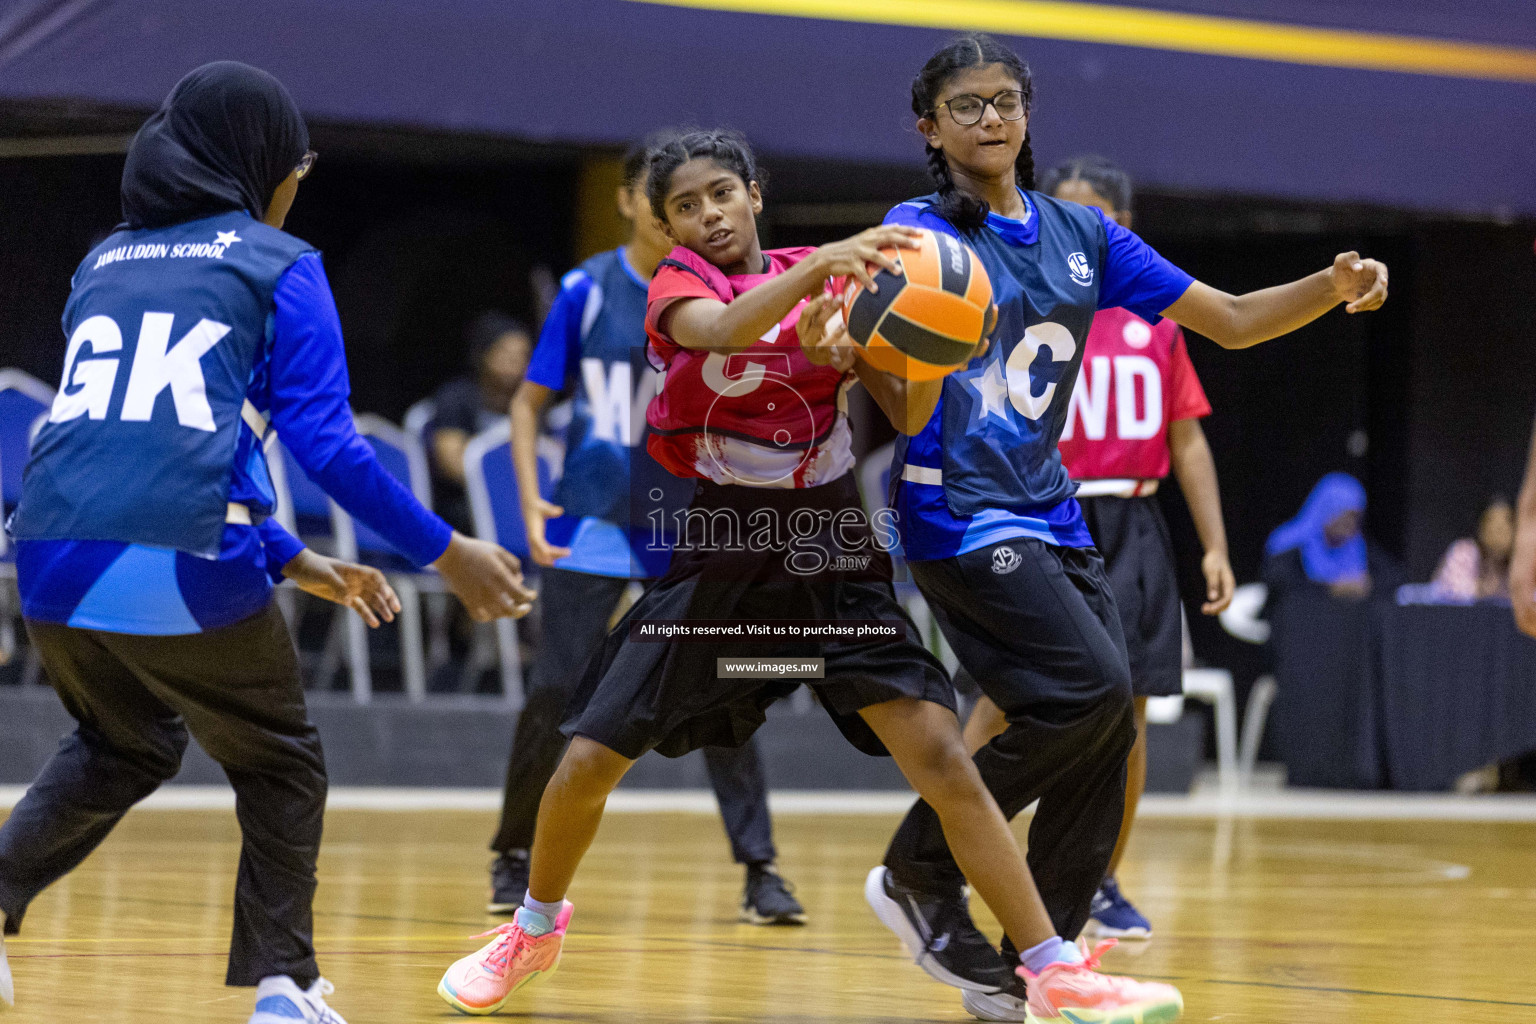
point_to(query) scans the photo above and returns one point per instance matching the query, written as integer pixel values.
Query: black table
(1377, 695)
(1456, 690)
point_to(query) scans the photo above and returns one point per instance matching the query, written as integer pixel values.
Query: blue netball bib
(164, 327)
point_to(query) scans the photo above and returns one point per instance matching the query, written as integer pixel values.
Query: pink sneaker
(1078, 994)
(482, 982)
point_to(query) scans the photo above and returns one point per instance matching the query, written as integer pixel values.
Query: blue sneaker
(1111, 915)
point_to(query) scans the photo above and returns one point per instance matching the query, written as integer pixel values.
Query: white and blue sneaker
(1111, 915)
(279, 1000)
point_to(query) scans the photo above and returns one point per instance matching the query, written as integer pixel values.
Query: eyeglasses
(966, 109)
(306, 163)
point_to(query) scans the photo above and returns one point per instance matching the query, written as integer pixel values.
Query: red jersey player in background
(1135, 414)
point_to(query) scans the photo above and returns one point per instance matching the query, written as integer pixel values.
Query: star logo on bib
(991, 388)
(227, 238)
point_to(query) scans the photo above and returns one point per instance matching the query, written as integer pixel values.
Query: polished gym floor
(1257, 919)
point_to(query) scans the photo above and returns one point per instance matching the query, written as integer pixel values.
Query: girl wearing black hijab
(146, 553)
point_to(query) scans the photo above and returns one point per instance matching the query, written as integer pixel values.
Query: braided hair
(1104, 177)
(725, 147)
(972, 50)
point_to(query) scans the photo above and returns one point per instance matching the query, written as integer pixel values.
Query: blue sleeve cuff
(280, 547)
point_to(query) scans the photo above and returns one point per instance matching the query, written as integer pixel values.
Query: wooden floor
(1258, 921)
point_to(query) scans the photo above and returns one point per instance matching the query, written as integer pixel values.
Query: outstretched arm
(1240, 321)
(724, 327)
(1522, 566)
(1196, 471)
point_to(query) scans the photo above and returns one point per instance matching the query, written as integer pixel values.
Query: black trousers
(575, 608)
(1036, 626)
(237, 689)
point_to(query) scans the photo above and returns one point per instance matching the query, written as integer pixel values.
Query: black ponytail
(963, 53)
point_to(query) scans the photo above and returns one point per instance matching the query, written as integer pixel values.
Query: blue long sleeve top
(299, 383)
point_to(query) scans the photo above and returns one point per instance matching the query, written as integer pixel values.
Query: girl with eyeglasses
(752, 408)
(997, 543)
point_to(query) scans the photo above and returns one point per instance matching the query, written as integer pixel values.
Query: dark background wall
(1429, 401)
(413, 249)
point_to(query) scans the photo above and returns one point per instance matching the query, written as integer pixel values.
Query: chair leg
(511, 663)
(287, 599)
(357, 657)
(482, 655)
(333, 653)
(413, 670)
(10, 607)
(1226, 738)
(32, 670)
(1254, 718)
(439, 613)
(1214, 686)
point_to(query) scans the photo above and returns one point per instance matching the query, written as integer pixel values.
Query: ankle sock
(536, 917)
(1053, 950)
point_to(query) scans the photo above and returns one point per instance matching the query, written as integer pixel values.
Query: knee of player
(942, 768)
(162, 761)
(588, 765)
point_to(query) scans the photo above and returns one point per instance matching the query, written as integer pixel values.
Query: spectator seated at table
(499, 347)
(1324, 548)
(1477, 568)
(1321, 570)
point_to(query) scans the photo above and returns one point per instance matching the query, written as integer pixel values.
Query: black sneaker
(509, 882)
(939, 934)
(1011, 1006)
(768, 899)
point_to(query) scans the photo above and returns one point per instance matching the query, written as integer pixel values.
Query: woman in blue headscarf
(1326, 537)
(1320, 569)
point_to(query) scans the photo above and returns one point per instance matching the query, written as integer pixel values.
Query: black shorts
(1132, 536)
(667, 696)
(1034, 624)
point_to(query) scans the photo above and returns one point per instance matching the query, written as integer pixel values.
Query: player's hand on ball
(1360, 282)
(486, 577)
(823, 336)
(359, 587)
(852, 256)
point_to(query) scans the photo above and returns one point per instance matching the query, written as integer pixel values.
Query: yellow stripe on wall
(1165, 30)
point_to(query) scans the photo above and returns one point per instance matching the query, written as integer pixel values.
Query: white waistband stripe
(1116, 488)
(237, 514)
(923, 474)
